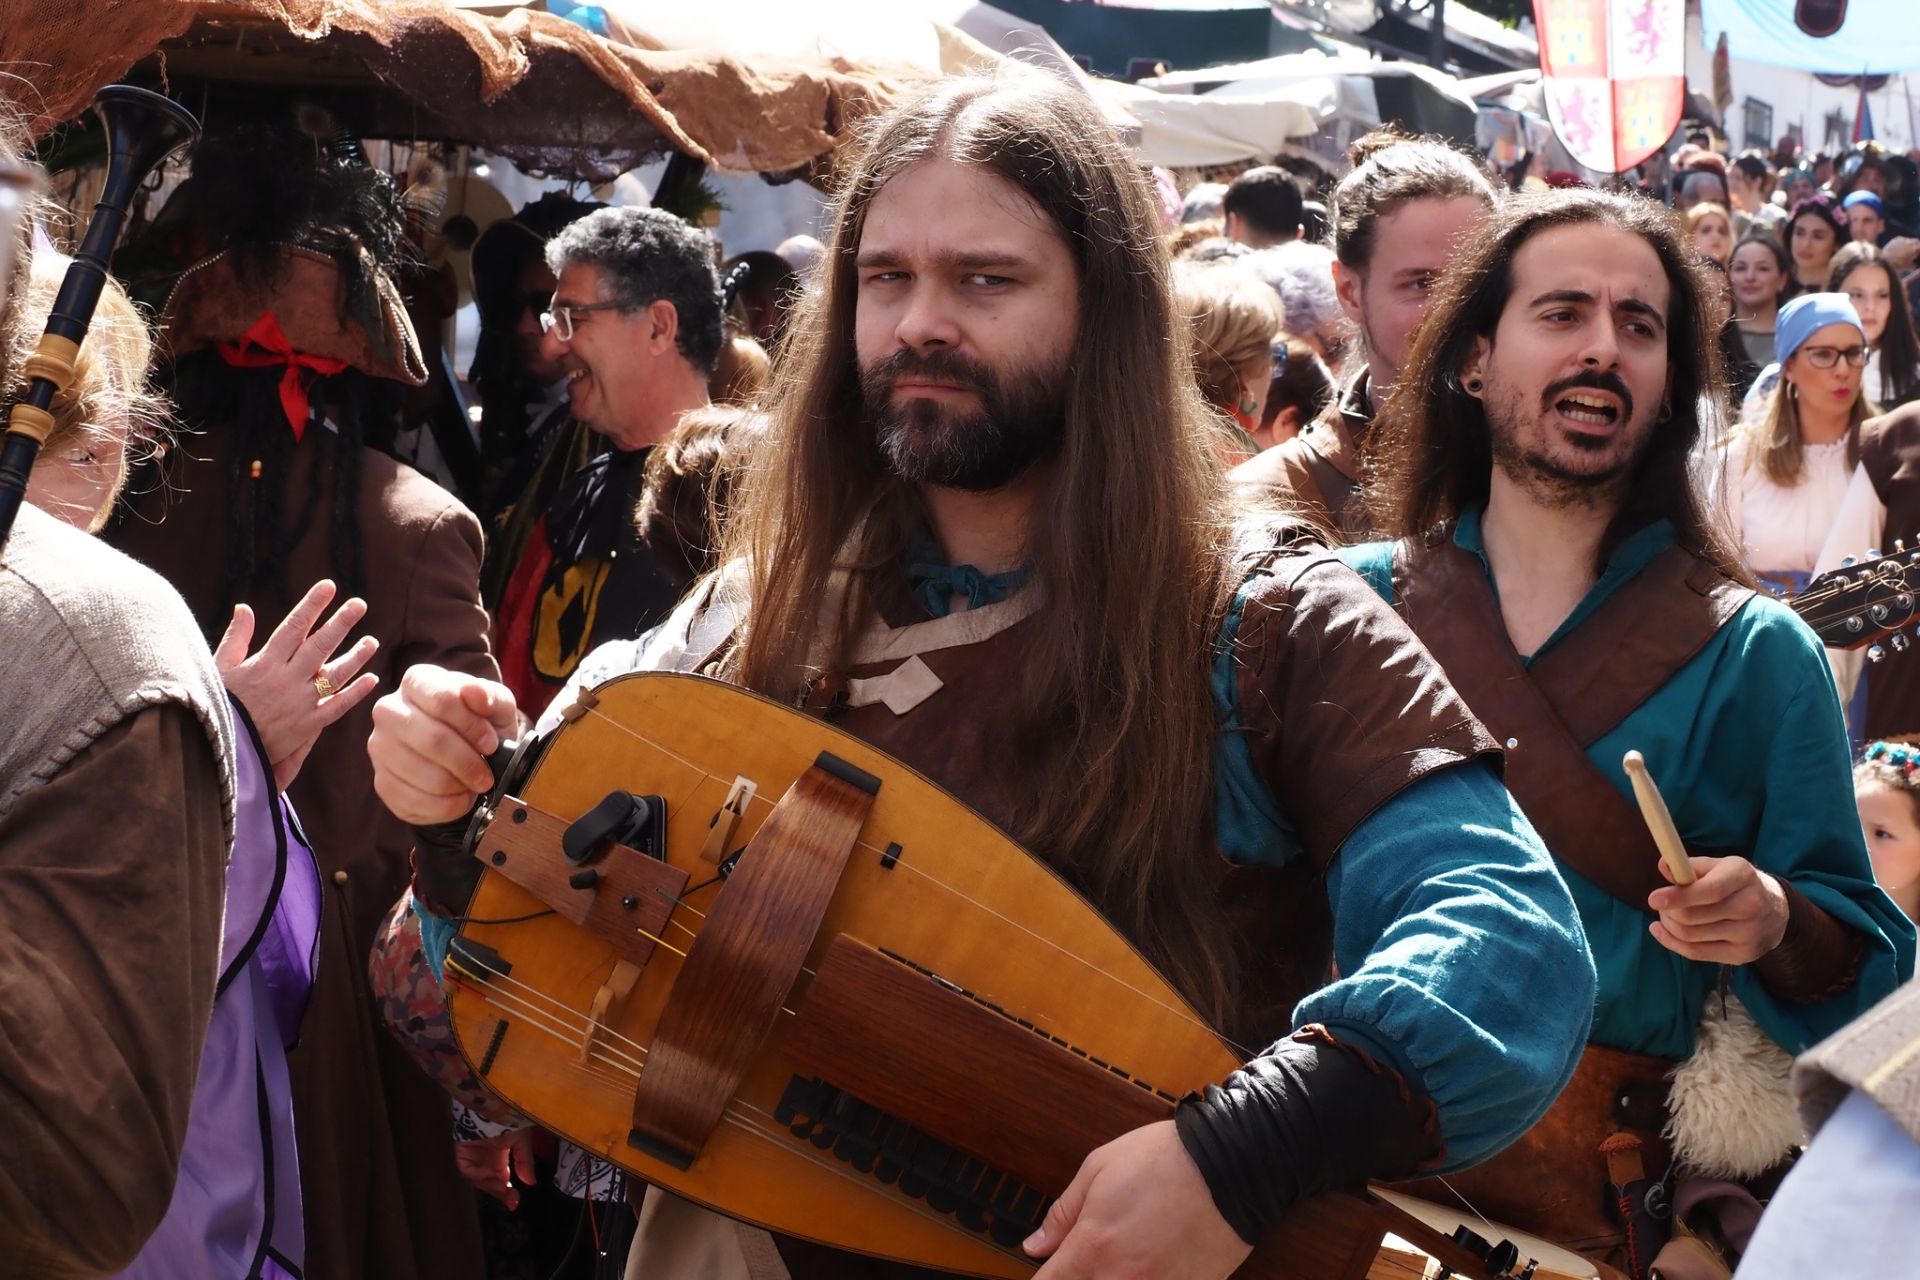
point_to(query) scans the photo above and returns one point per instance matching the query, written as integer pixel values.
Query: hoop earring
(1474, 385)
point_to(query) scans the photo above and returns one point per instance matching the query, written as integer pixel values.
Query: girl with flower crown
(1886, 786)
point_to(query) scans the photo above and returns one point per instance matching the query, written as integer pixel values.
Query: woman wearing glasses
(1869, 278)
(1789, 466)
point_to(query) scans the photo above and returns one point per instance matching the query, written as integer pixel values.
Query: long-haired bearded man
(1557, 555)
(1229, 745)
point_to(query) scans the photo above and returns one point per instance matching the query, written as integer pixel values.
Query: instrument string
(552, 1006)
(618, 1070)
(739, 1113)
(1813, 606)
(1185, 1015)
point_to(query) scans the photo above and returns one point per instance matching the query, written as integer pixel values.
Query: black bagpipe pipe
(143, 129)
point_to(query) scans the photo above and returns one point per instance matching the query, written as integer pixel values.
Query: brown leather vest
(1890, 455)
(959, 740)
(1552, 1181)
(1548, 713)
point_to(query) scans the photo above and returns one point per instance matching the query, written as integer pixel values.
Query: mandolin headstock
(1865, 603)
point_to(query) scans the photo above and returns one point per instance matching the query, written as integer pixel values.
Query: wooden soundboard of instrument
(752, 960)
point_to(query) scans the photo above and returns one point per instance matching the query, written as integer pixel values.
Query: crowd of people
(1291, 569)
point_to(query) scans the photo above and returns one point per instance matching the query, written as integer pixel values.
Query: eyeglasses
(1828, 357)
(559, 319)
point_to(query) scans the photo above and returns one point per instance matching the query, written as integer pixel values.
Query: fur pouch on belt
(1731, 1113)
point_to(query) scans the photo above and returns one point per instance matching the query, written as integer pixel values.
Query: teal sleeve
(1748, 744)
(1461, 957)
(436, 935)
(1373, 561)
(1809, 836)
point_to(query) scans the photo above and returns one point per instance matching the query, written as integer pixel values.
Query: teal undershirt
(1748, 745)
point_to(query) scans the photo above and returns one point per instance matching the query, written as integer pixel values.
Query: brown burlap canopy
(538, 89)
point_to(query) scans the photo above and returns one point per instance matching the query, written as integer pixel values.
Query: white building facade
(1771, 102)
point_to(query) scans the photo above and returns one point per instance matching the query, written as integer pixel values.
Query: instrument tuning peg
(1899, 642)
(1847, 562)
(1875, 653)
(1899, 545)
(1855, 625)
(1873, 553)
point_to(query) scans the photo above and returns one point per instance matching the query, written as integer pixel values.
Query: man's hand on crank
(430, 741)
(1733, 914)
(1137, 1208)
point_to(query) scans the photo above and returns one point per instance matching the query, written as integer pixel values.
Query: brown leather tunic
(1344, 709)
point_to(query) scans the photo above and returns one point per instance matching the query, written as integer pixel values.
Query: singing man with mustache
(1557, 556)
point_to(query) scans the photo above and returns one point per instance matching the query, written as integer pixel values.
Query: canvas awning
(1351, 92)
(1181, 130)
(542, 91)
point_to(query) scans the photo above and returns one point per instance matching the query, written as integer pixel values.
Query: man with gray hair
(635, 327)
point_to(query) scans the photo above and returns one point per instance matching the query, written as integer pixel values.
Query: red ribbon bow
(265, 345)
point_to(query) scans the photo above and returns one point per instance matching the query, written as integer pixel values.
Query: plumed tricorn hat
(219, 299)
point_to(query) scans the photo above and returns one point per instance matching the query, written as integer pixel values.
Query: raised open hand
(294, 687)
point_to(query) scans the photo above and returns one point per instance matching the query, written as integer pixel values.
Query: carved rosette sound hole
(975, 1194)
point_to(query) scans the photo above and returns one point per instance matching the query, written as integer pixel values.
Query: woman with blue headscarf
(1788, 467)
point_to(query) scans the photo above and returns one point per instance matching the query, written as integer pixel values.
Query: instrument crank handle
(510, 763)
(501, 757)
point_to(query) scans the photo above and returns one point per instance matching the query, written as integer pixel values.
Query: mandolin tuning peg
(1873, 553)
(1899, 642)
(1847, 562)
(1903, 601)
(1875, 653)
(1899, 545)
(1855, 625)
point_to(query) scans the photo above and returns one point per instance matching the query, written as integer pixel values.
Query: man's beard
(1020, 420)
(1609, 461)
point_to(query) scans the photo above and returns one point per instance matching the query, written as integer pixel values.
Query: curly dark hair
(648, 256)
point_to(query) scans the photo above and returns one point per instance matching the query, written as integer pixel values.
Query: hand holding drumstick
(1718, 910)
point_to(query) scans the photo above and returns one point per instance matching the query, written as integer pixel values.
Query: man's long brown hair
(1110, 716)
(1435, 453)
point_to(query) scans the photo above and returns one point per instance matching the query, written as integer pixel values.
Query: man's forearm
(1310, 1114)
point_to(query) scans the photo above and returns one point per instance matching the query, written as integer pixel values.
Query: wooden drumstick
(1653, 807)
